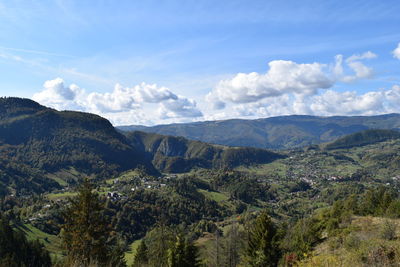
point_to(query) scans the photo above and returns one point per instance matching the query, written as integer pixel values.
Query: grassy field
(124, 177)
(278, 167)
(216, 196)
(63, 195)
(51, 242)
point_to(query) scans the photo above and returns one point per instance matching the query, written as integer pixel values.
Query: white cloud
(354, 62)
(179, 107)
(123, 104)
(55, 94)
(366, 55)
(288, 77)
(348, 103)
(396, 52)
(328, 103)
(281, 78)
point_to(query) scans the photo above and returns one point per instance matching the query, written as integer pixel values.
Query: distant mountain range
(283, 132)
(45, 148)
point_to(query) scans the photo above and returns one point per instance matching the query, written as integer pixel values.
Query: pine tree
(141, 258)
(158, 241)
(16, 250)
(183, 253)
(85, 233)
(262, 249)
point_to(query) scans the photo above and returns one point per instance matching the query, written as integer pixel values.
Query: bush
(388, 230)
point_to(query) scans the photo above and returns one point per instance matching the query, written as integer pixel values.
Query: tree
(183, 253)
(263, 247)
(16, 250)
(141, 257)
(233, 246)
(86, 235)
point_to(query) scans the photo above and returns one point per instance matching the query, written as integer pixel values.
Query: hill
(363, 138)
(38, 142)
(51, 140)
(177, 154)
(283, 132)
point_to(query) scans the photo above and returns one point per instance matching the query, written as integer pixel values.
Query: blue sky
(150, 62)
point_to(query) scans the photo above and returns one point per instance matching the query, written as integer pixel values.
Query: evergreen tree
(141, 258)
(263, 248)
(86, 235)
(158, 241)
(183, 253)
(16, 250)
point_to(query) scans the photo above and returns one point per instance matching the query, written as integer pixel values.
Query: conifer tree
(16, 250)
(183, 253)
(263, 248)
(141, 258)
(85, 233)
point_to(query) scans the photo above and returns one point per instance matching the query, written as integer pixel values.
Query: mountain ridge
(36, 142)
(283, 132)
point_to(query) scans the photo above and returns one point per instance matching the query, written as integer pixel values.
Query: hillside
(51, 140)
(283, 132)
(177, 154)
(363, 138)
(38, 142)
(215, 189)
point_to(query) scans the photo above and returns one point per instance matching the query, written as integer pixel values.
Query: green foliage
(141, 257)
(263, 244)
(16, 250)
(86, 235)
(388, 230)
(305, 234)
(50, 140)
(363, 138)
(182, 253)
(159, 240)
(177, 155)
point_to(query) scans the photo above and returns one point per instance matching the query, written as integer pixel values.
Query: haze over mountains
(283, 132)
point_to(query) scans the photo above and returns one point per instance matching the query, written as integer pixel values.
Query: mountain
(49, 141)
(42, 148)
(363, 138)
(177, 154)
(283, 132)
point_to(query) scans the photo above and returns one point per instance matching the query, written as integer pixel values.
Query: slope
(283, 132)
(177, 154)
(50, 140)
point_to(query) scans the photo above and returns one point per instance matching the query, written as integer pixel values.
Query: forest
(82, 193)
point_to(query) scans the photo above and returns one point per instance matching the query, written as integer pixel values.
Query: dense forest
(76, 192)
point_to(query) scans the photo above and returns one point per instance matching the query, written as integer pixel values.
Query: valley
(156, 187)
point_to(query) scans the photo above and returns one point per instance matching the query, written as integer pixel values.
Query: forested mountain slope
(177, 154)
(277, 132)
(36, 141)
(51, 140)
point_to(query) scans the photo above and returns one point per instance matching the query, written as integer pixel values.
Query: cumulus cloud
(354, 62)
(348, 103)
(396, 52)
(121, 101)
(179, 107)
(328, 103)
(55, 94)
(288, 77)
(282, 77)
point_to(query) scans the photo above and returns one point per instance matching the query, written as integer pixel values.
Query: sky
(159, 62)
